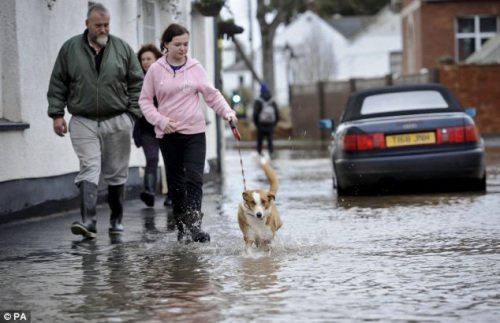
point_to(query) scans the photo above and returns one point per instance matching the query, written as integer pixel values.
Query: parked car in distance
(406, 135)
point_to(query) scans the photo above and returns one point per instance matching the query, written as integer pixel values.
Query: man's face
(98, 26)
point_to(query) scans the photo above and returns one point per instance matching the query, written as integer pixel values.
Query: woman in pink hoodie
(177, 80)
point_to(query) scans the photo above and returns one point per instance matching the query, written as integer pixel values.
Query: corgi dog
(258, 216)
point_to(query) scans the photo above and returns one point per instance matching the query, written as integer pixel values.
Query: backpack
(267, 114)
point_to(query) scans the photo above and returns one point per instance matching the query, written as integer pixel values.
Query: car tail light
(361, 142)
(457, 135)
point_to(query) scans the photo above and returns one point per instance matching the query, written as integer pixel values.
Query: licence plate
(411, 139)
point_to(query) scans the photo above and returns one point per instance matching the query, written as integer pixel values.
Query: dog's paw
(248, 251)
(264, 159)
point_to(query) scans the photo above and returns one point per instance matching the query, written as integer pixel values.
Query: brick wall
(429, 30)
(476, 86)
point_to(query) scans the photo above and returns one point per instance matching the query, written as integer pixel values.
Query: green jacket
(76, 84)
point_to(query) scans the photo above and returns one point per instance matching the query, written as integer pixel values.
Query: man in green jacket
(98, 78)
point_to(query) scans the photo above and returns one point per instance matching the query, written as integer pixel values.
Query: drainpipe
(218, 85)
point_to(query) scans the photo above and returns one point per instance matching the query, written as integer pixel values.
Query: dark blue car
(411, 134)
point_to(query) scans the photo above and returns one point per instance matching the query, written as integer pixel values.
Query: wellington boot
(116, 195)
(88, 204)
(179, 212)
(181, 227)
(193, 223)
(148, 195)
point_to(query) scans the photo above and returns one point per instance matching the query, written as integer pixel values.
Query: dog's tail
(271, 175)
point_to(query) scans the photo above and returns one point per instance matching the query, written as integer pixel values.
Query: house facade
(375, 50)
(310, 49)
(454, 43)
(37, 168)
(437, 31)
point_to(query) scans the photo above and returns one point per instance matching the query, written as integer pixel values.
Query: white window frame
(476, 35)
(151, 27)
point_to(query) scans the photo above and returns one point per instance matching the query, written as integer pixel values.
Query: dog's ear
(271, 196)
(246, 195)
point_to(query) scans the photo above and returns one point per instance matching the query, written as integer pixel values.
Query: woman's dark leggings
(151, 147)
(184, 158)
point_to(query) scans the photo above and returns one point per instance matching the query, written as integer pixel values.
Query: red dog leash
(236, 133)
(237, 136)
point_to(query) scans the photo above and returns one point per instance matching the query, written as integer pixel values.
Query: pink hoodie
(178, 97)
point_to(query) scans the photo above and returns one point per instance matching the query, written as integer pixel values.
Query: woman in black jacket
(144, 134)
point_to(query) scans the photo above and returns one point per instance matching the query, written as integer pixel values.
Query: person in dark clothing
(265, 118)
(98, 78)
(145, 137)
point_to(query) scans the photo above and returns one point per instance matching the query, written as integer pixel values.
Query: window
(472, 33)
(148, 22)
(403, 101)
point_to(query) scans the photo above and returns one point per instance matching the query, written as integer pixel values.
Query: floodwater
(410, 258)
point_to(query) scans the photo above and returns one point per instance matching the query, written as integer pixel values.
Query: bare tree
(271, 13)
(314, 60)
(276, 11)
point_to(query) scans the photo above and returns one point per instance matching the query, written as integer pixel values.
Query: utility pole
(250, 40)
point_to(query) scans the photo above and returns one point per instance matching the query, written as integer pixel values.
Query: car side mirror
(471, 112)
(327, 124)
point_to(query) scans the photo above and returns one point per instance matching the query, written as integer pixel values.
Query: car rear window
(403, 101)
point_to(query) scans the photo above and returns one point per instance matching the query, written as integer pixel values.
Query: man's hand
(60, 127)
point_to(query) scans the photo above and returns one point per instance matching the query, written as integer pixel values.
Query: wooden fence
(474, 85)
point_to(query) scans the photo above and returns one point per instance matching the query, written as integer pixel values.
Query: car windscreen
(403, 101)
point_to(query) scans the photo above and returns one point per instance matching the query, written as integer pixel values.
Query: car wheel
(479, 184)
(343, 191)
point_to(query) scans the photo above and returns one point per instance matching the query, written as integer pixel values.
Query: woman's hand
(171, 127)
(231, 118)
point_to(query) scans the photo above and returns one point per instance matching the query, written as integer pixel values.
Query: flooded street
(409, 258)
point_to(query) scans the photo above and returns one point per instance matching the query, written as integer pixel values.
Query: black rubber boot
(168, 201)
(148, 195)
(116, 195)
(193, 223)
(88, 204)
(171, 222)
(181, 227)
(179, 212)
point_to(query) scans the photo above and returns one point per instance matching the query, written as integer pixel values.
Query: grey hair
(98, 7)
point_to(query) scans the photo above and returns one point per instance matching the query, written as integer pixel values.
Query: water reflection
(407, 200)
(178, 286)
(395, 258)
(259, 272)
(91, 285)
(166, 283)
(150, 217)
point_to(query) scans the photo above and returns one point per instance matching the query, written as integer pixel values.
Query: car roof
(353, 106)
